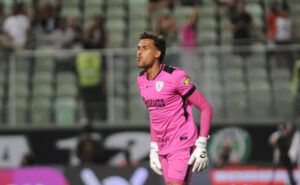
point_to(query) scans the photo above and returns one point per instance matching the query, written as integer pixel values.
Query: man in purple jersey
(169, 93)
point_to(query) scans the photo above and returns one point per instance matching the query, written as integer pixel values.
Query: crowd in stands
(40, 24)
(23, 30)
(45, 22)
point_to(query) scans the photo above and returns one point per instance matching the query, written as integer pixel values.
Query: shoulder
(8, 20)
(174, 71)
(169, 69)
(176, 74)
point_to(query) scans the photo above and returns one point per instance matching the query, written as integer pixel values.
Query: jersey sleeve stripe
(189, 93)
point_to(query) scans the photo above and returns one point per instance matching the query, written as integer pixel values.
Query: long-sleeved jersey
(171, 121)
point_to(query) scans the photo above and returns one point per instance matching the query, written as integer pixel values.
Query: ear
(157, 53)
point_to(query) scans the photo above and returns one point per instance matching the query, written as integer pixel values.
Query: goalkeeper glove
(199, 156)
(154, 158)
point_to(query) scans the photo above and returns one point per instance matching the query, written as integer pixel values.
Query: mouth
(138, 59)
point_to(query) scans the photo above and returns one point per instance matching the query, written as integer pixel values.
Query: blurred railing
(39, 88)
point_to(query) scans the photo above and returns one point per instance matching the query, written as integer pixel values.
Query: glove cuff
(201, 142)
(153, 147)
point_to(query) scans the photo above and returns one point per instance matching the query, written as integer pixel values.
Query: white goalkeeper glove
(154, 158)
(199, 156)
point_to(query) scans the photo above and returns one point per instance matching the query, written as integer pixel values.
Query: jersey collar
(161, 68)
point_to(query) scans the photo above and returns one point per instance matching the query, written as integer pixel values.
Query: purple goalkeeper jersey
(171, 121)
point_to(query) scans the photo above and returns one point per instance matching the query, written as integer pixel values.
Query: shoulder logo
(159, 85)
(186, 81)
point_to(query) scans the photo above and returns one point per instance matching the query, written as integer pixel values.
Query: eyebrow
(143, 46)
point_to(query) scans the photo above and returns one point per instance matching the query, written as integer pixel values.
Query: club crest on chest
(159, 85)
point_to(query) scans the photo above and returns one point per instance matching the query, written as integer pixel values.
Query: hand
(154, 158)
(199, 156)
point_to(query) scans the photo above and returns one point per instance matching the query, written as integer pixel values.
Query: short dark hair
(285, 7)
(159, 43)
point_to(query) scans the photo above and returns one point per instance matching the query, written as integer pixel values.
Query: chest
(284, 25)
(158, 94)
(156, 89)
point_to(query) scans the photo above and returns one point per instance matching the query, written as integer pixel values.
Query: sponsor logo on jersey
(159, 85)
(186, 81)
(155, 103)
(162, 140)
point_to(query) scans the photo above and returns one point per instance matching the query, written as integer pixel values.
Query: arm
(199, 101)
(152, 132)
(186, 88)
(155, 5)
(193, 17)
(274, 138)
(199, 157)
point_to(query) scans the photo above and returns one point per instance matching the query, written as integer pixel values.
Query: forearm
(205, 120)
(199, 101)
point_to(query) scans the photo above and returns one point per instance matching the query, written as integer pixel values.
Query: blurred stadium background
(42, 115)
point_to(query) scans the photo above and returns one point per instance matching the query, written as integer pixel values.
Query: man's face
(147, 53)
(285, 13)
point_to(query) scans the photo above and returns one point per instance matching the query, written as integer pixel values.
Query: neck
(153, 70)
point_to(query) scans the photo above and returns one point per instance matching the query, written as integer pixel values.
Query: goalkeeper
(175, 149)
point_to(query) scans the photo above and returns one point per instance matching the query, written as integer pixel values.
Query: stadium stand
(46, 93)
(65, 111)
(41, 111)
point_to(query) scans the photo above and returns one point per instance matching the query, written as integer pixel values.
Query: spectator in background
(281, 141)
(90, 67)
(96, 36)
(63, 36)
(241, 25)
(167, 27)
(47, 17)
(24, 12)
(16, 28)
(285, 31)
(189, 60)
(189, 30)
(156, 5)
(271, 20)
(77, 40)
